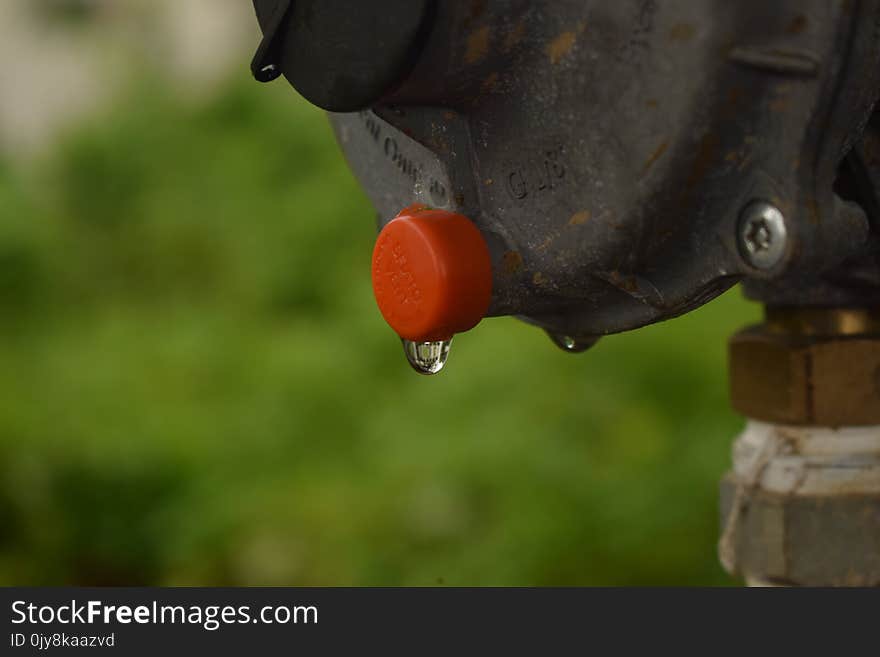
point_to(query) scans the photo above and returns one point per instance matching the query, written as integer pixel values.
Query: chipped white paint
(809, 460)
(799, 460)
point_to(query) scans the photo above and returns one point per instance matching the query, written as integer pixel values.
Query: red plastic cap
(432, 275)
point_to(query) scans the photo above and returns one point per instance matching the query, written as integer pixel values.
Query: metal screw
(761, 235)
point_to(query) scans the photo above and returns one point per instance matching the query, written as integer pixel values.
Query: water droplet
(427, 357)
(571, 344)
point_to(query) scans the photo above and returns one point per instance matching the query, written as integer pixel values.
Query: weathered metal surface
(607, 149)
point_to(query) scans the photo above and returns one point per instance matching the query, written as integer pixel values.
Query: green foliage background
(196, 388)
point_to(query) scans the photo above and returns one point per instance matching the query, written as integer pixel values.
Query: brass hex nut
(796, 379)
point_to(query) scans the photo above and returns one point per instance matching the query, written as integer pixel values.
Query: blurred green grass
(197, 389)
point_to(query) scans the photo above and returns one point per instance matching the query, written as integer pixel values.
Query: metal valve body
(616, 156)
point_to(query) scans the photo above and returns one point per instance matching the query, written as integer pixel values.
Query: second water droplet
(427, 357)
(572, 344)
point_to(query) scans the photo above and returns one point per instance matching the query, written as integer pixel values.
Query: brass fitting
(812, 366)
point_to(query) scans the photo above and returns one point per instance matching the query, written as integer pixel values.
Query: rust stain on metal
(658, 152)
(543, 246)
(579, 218)
(477, 45)
(511, 262)
(626, 283)
(560, 46)
(798, 24)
